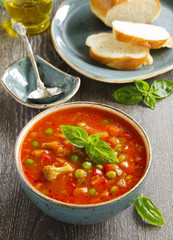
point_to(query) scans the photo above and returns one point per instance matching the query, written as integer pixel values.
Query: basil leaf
(98, 151)
(161, 88)
(150, 101)
(94, 138)
(146, 209)
(90, 150)
(128, 95)
(103, 154)
(142, 86)
(75, 135)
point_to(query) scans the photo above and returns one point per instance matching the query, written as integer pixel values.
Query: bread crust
(155, 44)
(125, 63)
(101, 7)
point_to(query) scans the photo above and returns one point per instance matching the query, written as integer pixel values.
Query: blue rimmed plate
(73, 22)
(19, 80)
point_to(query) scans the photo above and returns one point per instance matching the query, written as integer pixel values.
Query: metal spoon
(42, 93)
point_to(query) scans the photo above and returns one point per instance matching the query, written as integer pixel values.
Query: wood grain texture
(20, 219)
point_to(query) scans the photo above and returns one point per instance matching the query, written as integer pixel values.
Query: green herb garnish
(98, 151)
(146, 209)
(131, 95)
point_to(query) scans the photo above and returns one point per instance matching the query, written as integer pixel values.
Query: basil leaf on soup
(103, 154)
(161, 88)
(94, 138)
(128, 95)
(150, 101)
(142, 86)
(98, 151)
(146, 209)
(90, 151)
(75, 135)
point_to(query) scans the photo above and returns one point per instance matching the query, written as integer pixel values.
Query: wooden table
(20, 219)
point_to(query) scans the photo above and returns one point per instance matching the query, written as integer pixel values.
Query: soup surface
(64, 172)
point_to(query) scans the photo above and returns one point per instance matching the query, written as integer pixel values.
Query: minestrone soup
(66, 173)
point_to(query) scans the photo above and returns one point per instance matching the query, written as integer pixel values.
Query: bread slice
(142, 34)
(143, 11)
(115, 54)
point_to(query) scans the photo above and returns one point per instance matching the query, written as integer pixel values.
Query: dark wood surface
(20, 219)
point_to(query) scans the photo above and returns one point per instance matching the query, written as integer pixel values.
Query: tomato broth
(78, 179)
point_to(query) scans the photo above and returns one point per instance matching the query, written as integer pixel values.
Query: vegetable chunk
(51, 172)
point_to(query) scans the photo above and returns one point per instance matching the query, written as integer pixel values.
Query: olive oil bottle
(33, 14)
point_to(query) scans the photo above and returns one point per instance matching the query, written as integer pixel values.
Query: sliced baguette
(115, 54)
(141, 34)
(143, 11)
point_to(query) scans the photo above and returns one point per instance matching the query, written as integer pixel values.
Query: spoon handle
(21, 31)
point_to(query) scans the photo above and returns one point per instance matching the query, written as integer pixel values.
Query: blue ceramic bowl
(19, 80)
(87, 213)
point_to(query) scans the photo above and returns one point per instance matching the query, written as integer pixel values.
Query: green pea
(114, 189)
(49, 131)
(29, 161)
(119, 149)
(80, 173)
(99, 166)
(74, 158)
(87, 165)
(105, 121)
(92, 192)
(80, 124)
(35, 144)
(111, 174)
(122, 140)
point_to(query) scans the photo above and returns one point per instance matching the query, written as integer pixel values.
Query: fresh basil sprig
(98, 151)
(75, 135)
(131, 95)
(146, 209)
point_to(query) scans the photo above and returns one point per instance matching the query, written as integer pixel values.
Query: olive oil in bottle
(33, 14)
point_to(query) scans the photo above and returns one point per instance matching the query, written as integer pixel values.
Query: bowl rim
(48, 111)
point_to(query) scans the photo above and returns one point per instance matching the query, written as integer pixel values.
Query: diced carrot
(52, 145)
(129, 167)
(124, 164)
(114, 141)
(114, 130)
(33, 134)
(95, 200)
(60, 160)
(104, 194)
(104, 134)
(37, 153)
(79, 191)
(61, 135)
